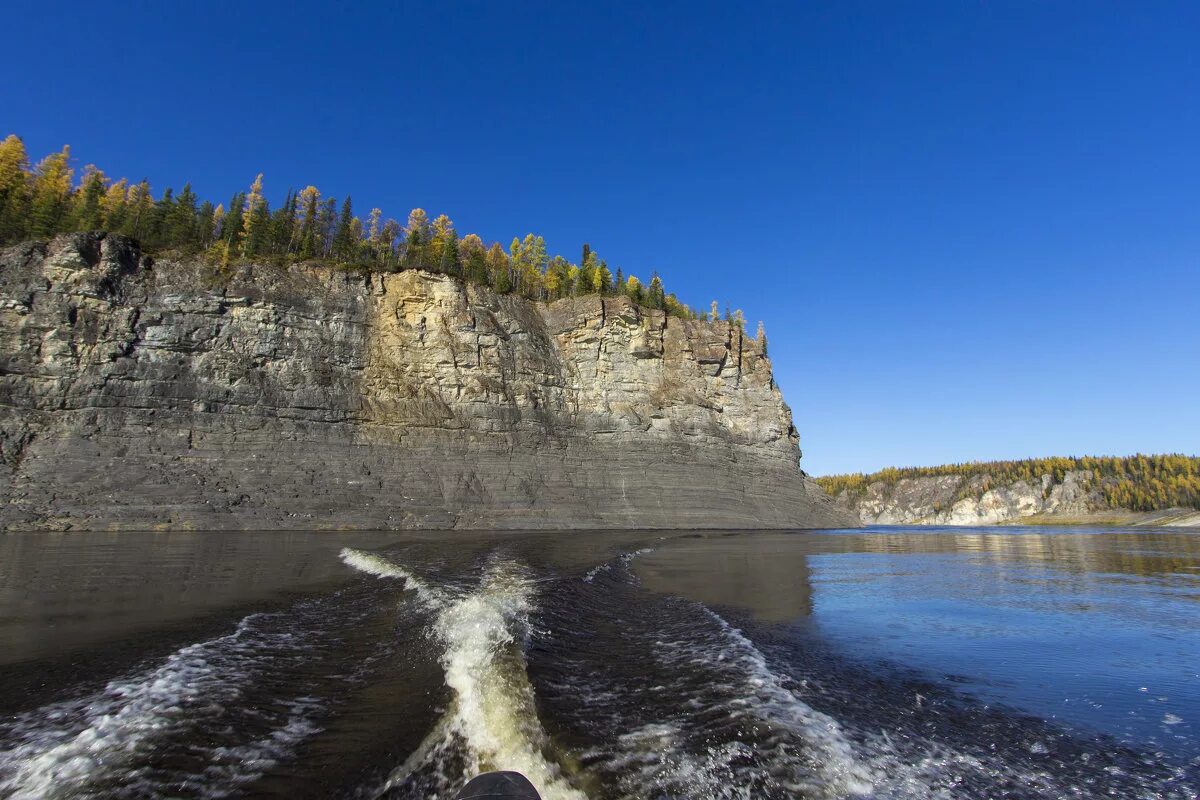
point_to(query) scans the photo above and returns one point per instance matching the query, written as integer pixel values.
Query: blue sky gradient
(971, 228)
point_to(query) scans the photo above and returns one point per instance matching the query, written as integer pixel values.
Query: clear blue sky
(971, 228)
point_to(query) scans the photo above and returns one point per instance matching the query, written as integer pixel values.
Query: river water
(886, 663)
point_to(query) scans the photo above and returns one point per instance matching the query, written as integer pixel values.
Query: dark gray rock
(139, 395)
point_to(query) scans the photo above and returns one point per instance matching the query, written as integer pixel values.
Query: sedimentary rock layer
(976, 500)
(139, 394)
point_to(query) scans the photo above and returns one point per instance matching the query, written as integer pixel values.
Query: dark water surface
(887, 662)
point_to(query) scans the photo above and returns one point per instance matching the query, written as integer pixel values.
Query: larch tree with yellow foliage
(43, 202)
(14, 189)
(255, 219)
(51, 193)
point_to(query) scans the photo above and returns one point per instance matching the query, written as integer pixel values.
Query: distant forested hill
(1004, 490)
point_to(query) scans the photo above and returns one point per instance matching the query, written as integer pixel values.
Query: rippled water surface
(887, 663)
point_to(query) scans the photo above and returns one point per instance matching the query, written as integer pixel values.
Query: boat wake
(104, 744)
(492, 721)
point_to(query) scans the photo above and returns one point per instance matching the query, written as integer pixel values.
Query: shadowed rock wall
(137, 394)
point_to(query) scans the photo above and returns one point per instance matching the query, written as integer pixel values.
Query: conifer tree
(88, 214)
(309, 208)
(218, 224)
(115, 205)
(633, 289)
(283, 226)
(51, 193)
(604, 279)
(345, 240)
(654, 295)
(760, 339)
(139, 205)
(307, 226)
(181, 226)
(558, 277)
(373, 228)
(500, 269)
(450, 264)
(416, 237)
(14, 189)
(528, 259)
(473, 257)
(231, 229)
(388, 235)
(326, 227)
(156, 221)
(255, 221)
(442, 228)
(588, 270)
(205, 219)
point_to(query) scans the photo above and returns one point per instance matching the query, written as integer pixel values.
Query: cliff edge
(140, 394)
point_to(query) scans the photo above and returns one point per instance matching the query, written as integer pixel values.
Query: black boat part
(499, 786)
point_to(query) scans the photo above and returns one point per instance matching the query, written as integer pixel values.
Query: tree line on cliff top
(43, 200)
(1138, 483)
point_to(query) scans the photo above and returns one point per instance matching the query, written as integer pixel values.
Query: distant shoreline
(1139, 490)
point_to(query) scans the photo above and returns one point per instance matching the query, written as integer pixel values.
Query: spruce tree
(450, 264)
(88, 214)
(283, 226)
(156, 220)
(345, 238)
(231, 227)
(204, 232)
(654, 296)
(181, 227)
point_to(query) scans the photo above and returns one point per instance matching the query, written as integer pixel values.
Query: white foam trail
(492, 723)
(64, 749)
(624, 559)
(771, 700)
(380, 567)
(737, 730)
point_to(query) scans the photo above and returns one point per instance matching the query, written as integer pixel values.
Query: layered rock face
(975, 500)
(961, 500)
(137, 394)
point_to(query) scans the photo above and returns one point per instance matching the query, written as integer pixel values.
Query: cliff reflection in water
(1096, 628)
(770, 574)
(766, 574)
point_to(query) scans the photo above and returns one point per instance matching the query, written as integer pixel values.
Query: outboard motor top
(499, 786)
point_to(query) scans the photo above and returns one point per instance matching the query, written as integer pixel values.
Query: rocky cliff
(977, 500)
(168, 394)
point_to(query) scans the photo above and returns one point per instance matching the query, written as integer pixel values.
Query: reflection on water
(767, 573)
(63, 591)
(885, 663)
(1095, 628)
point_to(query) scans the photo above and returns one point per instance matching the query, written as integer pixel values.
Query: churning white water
(492, 722)
(70, 748)
(446, 659)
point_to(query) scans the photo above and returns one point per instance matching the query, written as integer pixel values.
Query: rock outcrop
(138, 394)
(962, 500)
(976, 500)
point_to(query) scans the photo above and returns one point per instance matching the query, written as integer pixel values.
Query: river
(883, 662)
